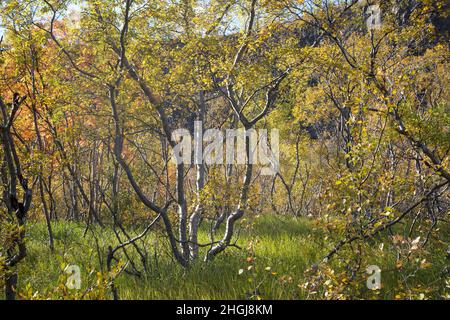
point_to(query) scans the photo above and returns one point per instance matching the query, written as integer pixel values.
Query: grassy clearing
(277, 249)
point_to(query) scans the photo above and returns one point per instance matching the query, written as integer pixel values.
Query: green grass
(287, 245)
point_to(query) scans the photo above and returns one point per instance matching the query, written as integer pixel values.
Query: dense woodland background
(91, 92)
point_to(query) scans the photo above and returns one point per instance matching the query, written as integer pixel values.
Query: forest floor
(270, 264)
